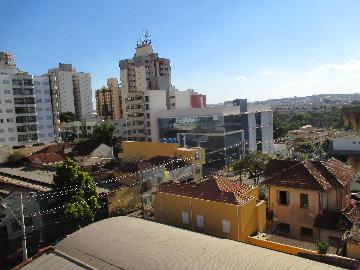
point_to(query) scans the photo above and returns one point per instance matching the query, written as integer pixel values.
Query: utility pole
(141, 193)
(23, 243)
(172, 168)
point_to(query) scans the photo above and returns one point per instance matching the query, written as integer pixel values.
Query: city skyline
(256, 51)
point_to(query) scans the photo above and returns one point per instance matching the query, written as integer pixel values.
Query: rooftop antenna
(145, 41)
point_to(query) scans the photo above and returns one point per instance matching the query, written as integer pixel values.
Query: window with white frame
(200, 221)
(226, 226)
(185, 217)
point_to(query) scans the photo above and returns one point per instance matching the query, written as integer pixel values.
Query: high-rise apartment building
(18, 122)
(71, 91)
(145, 86)
(109, 100)
(44, 109)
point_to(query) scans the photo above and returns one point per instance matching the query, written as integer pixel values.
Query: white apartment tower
(44, 109)
(18, 121)
(145, 85)
(71, 91)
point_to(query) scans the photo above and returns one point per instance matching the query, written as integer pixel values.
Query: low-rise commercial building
(224, 131)
(216, 206)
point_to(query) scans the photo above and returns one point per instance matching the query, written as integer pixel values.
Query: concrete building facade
(71, 91)
(18, 121)
(145, 86)
(44, 109)
(109, 101)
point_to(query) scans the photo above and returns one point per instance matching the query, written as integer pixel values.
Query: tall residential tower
(145, 86)
(109, 101)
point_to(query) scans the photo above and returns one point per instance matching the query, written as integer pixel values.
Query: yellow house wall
(168, 209)
(292, 213)
(261, 216)
(214, 213)
(248, 220)
(353, 250)
(243, 219)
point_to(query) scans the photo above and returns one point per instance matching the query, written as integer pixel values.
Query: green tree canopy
(66, 117)
(104, 133)
(239, 167)
(80, 202)
(253, 165)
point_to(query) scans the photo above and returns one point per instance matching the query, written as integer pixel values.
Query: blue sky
(225, 49)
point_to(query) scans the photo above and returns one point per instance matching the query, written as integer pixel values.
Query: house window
(284, 227)
(304, 200)
(185, 217)
(200, 221)
(226, 226)
(197, 171)
(283, 197)
(306, 231)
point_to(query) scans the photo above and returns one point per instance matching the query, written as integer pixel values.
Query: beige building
(310, 200)
(109, 101)
(352, 239)
(145, 86)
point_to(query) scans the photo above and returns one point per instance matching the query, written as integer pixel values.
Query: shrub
(322, 247)
(15, 157)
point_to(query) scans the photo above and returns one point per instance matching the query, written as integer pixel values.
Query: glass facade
(214, 133)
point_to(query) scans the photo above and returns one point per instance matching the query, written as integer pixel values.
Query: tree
(239, 167)
(80, 201)
(256, 164)
(67, 117)
(104, 133)
(253, 165)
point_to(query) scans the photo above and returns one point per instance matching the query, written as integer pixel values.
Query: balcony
(134, 102)
(135, 127)
(135, 110)
(137, 135)
(136, 118)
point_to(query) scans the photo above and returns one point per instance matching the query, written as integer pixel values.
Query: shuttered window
(185, 217)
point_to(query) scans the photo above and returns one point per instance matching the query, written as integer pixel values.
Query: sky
(224, 49)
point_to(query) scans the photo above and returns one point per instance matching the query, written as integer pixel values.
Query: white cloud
(346, 68)
(268, 72)
(227, 80)
(241, 77)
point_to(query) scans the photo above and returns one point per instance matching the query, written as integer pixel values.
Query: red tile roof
(214, 189)
(46, 158)
(55, 148)
(312, 175)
